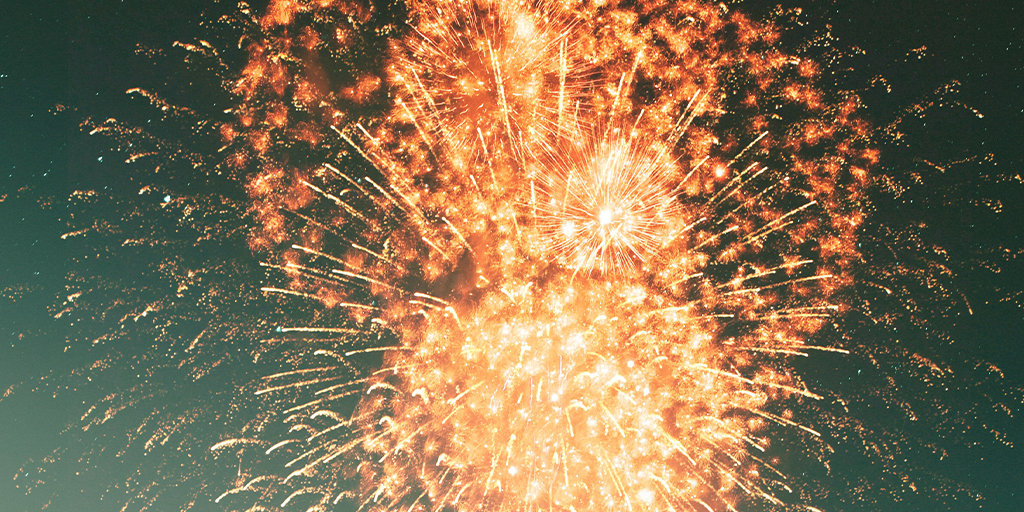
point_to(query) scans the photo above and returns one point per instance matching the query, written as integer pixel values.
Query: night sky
(63, 63)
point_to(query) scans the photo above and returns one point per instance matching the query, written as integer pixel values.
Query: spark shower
(522, 256)
(599, 234)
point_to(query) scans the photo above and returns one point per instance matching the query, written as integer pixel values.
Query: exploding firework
(595, 296)
(534, 255)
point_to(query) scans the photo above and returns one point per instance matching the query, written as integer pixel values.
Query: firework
(594, 296)
(535, 255)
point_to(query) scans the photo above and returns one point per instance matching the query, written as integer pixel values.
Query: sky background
(81, 55)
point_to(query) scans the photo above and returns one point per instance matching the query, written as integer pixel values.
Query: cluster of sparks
(551, 255)
(599, 234)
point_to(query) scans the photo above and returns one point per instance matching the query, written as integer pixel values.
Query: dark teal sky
(81, 54)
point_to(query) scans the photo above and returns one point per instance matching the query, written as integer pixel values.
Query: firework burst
(605, 208)
(530, 256)
(594, 296)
